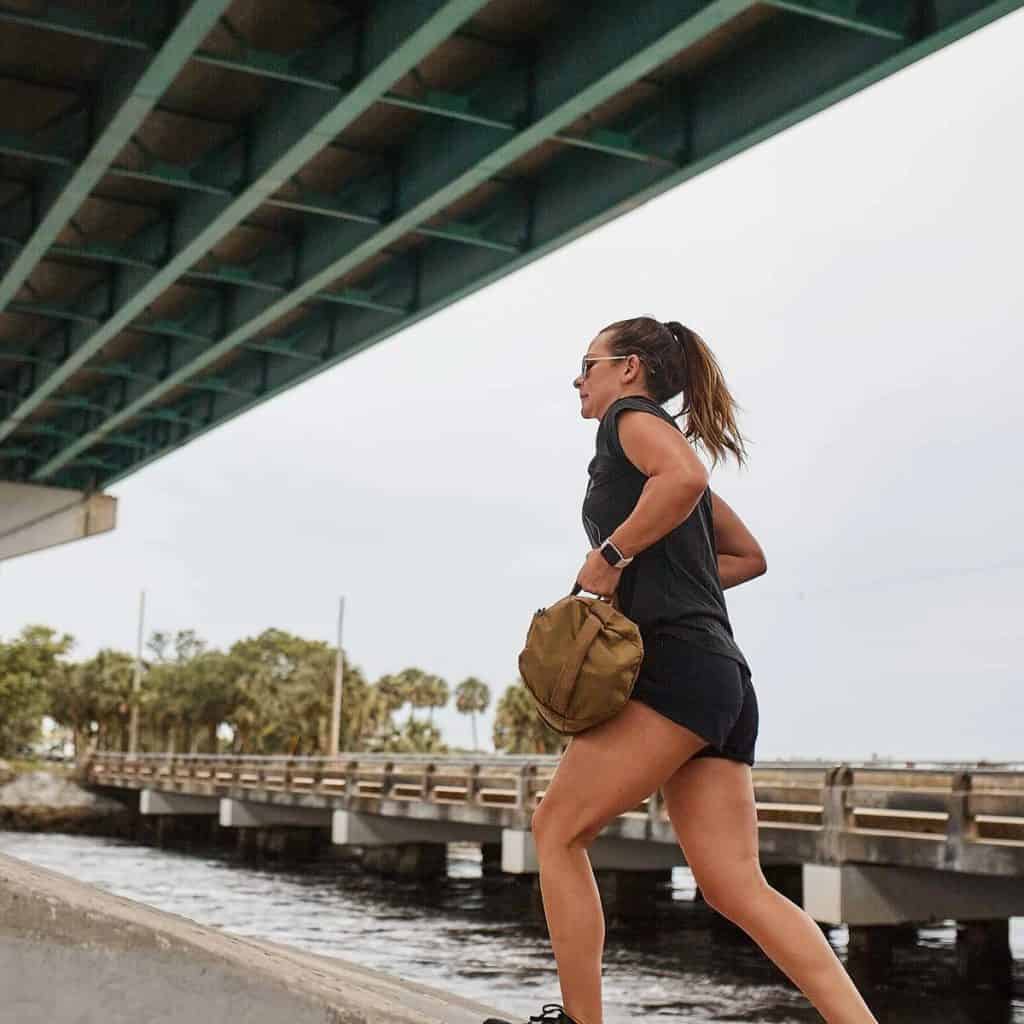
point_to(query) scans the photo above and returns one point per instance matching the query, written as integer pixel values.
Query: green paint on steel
(72, 23)
(125, 119)
(436, 22)
(617, 62)
(944, 36)
(889, 23)
(52, 311)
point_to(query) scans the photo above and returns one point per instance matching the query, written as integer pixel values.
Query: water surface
(473, 935)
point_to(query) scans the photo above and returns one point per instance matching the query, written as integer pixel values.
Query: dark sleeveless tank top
(673, 586)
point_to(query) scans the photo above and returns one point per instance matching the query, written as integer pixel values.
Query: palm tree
(518, 729)
(436, 695)
(472, 697)
(417, 686)
(215, 692)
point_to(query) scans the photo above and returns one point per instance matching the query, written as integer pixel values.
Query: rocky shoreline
(41, 801)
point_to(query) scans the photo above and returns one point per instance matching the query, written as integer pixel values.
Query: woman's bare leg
(604, 772)
(711, 803)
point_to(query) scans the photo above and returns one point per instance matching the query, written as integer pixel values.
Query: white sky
(859, 279)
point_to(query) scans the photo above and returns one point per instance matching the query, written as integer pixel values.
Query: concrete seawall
(73, 953)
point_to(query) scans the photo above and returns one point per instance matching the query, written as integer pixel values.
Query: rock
(41, 789)
(41, 802)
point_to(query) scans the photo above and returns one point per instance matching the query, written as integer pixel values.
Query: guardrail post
(961, 827)
(351, 782)
(473, 785)
(387, 780)
(524, 790)
(836, 817)
(428, 782)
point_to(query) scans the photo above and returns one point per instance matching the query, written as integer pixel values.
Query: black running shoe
(551, 1013)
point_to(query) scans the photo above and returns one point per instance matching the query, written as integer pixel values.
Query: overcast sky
(859, 279)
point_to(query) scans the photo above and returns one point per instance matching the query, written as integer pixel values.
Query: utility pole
(133, 737)
(339, 680)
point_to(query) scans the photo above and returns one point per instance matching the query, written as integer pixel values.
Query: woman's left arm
(676, 479)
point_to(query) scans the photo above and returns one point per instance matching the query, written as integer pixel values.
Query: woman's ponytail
(677, 360)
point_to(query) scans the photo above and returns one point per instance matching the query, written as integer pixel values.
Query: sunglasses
(588, 362)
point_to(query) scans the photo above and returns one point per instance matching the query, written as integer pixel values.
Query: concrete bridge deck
(866, 845)
(880, 848)
(965, 819)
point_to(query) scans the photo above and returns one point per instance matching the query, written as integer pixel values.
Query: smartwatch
(613, 556)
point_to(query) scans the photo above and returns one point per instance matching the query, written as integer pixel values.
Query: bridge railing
(894, 803)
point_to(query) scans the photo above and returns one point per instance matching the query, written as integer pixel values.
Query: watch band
(613, 556)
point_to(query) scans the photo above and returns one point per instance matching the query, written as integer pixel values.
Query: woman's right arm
(740, 557)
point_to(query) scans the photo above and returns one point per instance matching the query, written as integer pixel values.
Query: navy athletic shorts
(710, 694)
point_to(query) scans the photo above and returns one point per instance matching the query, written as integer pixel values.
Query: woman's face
(600, 382)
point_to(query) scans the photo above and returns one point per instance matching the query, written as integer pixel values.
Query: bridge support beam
(870, 894)
(354, 828)
(33, 518)
(249, 814)
(157, 802)
(406, 847)
(607, 853)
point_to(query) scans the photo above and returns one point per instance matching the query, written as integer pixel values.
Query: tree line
(267, 694)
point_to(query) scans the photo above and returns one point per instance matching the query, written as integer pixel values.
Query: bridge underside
(203, 204)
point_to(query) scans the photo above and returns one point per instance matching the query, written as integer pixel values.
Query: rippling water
(469, 934)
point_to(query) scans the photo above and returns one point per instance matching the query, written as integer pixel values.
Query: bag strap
(613, 600)
(592, 625)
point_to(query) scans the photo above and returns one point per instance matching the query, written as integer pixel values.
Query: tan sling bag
(580, 662)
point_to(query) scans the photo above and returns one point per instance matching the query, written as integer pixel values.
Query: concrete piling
(408, 860)
(984, 959)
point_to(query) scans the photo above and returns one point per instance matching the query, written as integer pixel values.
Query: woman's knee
(733, 894)
(554, 826)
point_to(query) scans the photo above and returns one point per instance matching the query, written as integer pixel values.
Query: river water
(470, 934)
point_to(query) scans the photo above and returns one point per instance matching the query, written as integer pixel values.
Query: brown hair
(678, 361)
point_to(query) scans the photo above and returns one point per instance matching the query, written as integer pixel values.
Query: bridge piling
(292, 843)
(984, 959)
(630, 896)
(787, 879)
(490, 858)
(408, 860)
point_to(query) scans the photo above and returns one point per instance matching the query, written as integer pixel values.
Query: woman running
(668, 546)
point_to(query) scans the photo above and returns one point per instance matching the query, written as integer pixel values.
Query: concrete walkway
(73, 954)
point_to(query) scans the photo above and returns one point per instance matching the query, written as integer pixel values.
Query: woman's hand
(597, 576)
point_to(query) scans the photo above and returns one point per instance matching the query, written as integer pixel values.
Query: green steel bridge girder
(577, 70)
(295, 126)
(797, 77)
(600, 140)
(357, 331)
(126, 98)
(271, 270)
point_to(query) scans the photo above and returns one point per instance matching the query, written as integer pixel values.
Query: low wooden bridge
(963, 818)
(874, 846)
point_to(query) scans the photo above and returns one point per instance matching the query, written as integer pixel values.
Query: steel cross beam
(579, 69)
(126, 99)
(73, 23)
(798, 77)
(308, 121)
